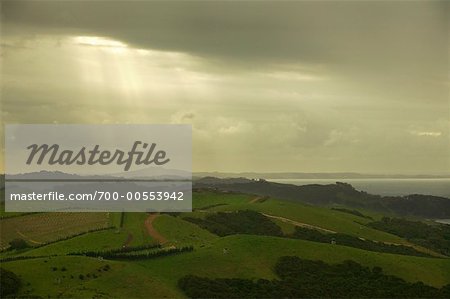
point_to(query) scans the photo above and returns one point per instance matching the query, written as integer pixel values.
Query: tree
(10, 283)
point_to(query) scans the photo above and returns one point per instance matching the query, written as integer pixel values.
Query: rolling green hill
(233, 256)
(254, 256)
(246, 257)
(179, 232)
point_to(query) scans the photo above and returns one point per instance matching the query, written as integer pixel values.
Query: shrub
(18, 244)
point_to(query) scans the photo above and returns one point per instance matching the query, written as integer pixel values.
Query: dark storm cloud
(360, 33)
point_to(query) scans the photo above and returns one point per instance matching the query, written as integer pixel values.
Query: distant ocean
(385, 187)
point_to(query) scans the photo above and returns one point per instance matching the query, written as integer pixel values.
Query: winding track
(296, 223)
(152, 231)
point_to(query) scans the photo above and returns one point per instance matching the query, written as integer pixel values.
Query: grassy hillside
(317, 216)
(44, 277)
(133, 224)
(206, 200)
(180, 232)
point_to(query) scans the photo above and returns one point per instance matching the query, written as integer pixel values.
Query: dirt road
(151, 230)
(258, 199)
(296, 223)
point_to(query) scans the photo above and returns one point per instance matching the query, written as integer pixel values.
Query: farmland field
(41, 228)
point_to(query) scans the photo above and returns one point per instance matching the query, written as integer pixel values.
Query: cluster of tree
(353, 212)
(10, 283)
(117, 251)
(435, 237)
(18, 244)
(239, 222)
(312, 279)
(348, 240)
(343, 194)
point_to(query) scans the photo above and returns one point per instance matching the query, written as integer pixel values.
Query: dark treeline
(22, 257)
(239, 222)
(353, 212)
(301, 278)
(348, 240)
(435, 237)
(153, 254)
(131, 255)
(122, 217)
(115, 251)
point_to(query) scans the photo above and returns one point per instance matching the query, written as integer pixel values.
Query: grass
(207, 199)
(247, 257)
(133, 224)
(122, 280)
(286, 228)
(180, 232)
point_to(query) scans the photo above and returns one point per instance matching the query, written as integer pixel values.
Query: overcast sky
(287, 86)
